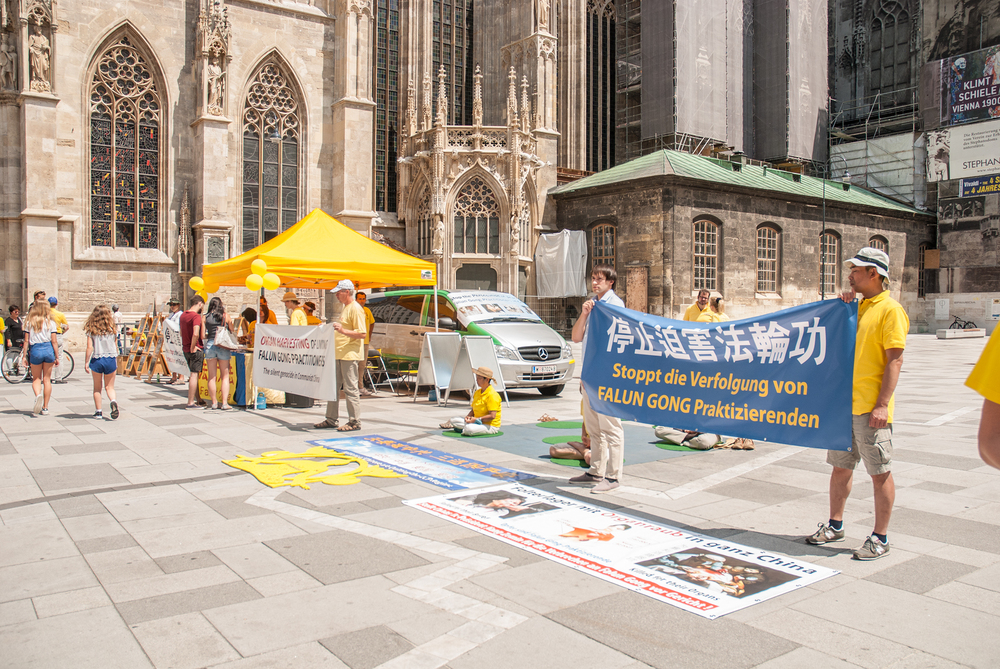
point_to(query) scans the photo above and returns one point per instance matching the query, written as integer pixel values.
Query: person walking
(985, 380)
(175, 317)
(102, 357)
(607, 437)
(39, 349)
(217, 357)
(878, 358)
(349, 340)
(192, 329)
(369, 326)
(116, 317)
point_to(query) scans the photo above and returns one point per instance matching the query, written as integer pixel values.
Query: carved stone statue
(515, 235)
(8, 62)
(216, 85)
(39, 50)
(437, 248)
(543, 13)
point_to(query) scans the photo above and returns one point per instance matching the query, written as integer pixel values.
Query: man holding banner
(607, 437)
(878, 358)
(349, 341)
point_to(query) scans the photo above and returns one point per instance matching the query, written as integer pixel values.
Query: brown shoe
(586, 477)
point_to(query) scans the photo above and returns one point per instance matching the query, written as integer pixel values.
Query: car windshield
(488, 306)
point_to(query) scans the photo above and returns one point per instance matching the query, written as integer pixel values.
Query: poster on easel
(476, 351)
(437, 360)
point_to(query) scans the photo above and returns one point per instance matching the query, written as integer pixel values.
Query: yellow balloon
(211, 287)
(258, 267)
(204, 295)
(196, 283)
(254, 283)
(271, 281)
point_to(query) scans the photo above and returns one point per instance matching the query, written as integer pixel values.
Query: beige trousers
(607, 443)
(347, 379)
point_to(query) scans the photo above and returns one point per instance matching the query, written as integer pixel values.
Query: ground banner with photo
(445, 470)
(694, 572)
(173, 347)
(783, 377)
(297, 359)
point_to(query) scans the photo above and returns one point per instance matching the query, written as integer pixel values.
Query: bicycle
(15, 372)
(959, 324)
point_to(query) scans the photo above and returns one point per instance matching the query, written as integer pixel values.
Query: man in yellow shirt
(878, 357)
(695, 309)
(297, 315)
(350, 344)
(369, 326)
(985, 380)
(484, 416)
(58, 316)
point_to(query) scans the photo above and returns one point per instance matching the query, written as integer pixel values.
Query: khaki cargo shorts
(874, 446)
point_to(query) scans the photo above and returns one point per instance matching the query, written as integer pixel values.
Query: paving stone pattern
(130, 544)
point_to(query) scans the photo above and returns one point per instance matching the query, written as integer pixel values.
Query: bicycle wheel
(969, 325)
(65, 367)
(955, 326)
(11, 367)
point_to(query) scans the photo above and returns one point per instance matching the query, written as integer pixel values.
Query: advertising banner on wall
(970, 87)
(783, 377)
(694, 572)
(963, 151)
(980, 185)
(296, 359)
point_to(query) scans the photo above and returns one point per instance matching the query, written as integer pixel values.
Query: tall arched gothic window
(600, 84)
(125, 149)
(425, 225)
(889, 47)
(477, 219)
(271, 134)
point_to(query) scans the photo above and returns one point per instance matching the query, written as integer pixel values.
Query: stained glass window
(124, 150)
(477, 219)
(270, 156)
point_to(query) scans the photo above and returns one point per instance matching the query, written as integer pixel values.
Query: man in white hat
(350, 343)
(878, 357)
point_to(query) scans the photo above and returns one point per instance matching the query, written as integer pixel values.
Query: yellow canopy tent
(319, 251)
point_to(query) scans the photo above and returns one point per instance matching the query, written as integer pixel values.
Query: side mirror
(446, 323)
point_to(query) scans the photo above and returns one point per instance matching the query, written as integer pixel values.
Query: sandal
(325, 424)
(351, 426)
(547, 419)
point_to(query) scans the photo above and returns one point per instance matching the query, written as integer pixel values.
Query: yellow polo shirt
(298, 317)
(985, 377)
(369, 320)
(709, 316)
(882, 324)
(60, 320)
(694, 311)
(352, 318)
(485, 401)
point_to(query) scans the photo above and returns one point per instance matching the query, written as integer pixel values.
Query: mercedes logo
(543, 354)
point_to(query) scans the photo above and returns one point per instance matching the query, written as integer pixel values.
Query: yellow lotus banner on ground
(316, 465)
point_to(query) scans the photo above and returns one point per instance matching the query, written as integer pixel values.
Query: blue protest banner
(783, 377)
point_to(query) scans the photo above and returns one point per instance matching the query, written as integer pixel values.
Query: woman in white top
(102, 356)
(40, 349)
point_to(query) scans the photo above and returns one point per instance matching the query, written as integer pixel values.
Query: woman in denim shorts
(102, 357)
(216, 356)
(40, 349)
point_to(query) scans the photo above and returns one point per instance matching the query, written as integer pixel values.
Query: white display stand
(437, 360)
(476, 351)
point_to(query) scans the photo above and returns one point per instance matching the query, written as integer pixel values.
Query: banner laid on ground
(694, 572)
(298, 359)
(445, 470)
(783, 377)
(173, 347)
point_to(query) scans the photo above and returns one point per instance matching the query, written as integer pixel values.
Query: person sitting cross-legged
(484, 416)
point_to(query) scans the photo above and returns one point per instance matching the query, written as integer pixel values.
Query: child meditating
(484, 417)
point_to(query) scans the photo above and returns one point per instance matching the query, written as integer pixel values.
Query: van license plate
(543, 369)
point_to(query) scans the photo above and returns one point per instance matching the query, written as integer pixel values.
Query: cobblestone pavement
(129, 544)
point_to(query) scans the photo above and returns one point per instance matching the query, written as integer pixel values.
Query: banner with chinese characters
(694, 572)
(783, 377)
